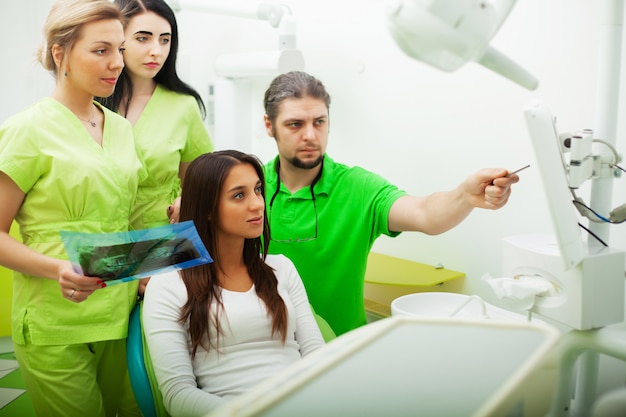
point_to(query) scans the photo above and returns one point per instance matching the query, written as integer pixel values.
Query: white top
(248, 353)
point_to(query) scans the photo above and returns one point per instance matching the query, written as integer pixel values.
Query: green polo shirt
(71, 183)
(351, 210)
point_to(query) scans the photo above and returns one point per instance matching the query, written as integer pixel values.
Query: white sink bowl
(446, 304)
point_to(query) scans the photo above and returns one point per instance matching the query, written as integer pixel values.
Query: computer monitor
(409, 366)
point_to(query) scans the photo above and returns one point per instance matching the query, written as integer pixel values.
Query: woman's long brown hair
(200, 202)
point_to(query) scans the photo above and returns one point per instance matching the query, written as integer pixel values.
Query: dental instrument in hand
(514, 172)
(518, 170)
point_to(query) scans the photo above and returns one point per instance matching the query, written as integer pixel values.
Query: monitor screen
(544, 136)
(407, 366)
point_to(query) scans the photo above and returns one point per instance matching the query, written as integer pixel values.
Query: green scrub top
(169, 131)
(71, 183)
(351, 210)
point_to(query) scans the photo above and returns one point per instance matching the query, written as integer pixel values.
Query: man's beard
(299, 163)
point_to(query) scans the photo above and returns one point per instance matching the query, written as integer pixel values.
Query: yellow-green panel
(389, 270)
(6, 291)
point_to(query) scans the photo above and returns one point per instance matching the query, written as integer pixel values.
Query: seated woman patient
(216, 330)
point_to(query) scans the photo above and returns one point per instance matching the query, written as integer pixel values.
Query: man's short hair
(294, 84)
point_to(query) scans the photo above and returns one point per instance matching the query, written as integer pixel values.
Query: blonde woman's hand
(76, 287)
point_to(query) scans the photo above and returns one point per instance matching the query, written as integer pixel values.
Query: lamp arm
(503, 65)
(271, 12)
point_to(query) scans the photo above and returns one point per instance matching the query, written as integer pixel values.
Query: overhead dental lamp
(449, 33)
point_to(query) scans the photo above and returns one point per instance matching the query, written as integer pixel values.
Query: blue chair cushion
(136, 365)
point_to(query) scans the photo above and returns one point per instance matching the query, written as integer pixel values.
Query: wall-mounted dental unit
(231, 94)
(286, 56)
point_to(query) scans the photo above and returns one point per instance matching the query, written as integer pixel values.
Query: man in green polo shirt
(325, 216)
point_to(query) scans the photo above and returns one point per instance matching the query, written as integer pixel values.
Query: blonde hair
(64, 25)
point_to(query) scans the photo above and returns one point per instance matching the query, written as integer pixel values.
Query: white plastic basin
(445, 304)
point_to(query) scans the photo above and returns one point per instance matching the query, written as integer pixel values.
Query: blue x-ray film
(125, 256)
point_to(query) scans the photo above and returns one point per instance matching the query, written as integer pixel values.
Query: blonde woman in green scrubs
(67, 163)
(165, 112)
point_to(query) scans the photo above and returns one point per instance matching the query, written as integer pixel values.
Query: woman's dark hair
(167, 76)
(200, 200)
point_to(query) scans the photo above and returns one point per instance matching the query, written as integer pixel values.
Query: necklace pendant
(92, 123)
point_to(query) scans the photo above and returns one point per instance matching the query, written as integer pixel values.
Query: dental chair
(140, 369)
(327, 332)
